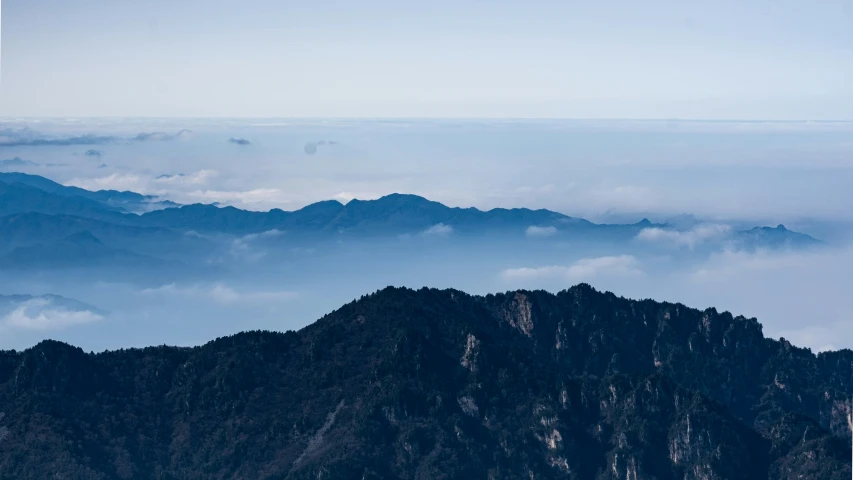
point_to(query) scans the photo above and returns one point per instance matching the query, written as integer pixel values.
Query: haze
(615, 59)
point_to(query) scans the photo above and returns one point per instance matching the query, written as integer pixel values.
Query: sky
(729, 59)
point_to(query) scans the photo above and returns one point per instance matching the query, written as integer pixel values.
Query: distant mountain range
(36, 213)
(769, 237)
(81, 249)
(438, 384)
(36, 303)
(393, 214)
(111, 200)
(25, 229)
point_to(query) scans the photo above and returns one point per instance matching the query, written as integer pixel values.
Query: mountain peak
(322, 206)
(402, 198)
(583, 287)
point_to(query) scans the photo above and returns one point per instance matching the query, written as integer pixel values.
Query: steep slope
(438, 384)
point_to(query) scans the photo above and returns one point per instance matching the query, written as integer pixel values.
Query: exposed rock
(468, 406)
(519, 314)
(624, 397)
(316, 441)
(469, 358)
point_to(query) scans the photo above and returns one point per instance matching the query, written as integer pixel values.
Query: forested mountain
(388, 216)
(392, 214)
(430, 384)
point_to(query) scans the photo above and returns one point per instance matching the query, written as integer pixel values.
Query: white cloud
(737, 262)
(344, 197)
(582, 270)
(225, 294)
(438, 230)
(220, 293)
(688, 238)
(534, 231)
(116, 181)
(172, 186)
(268, 234)
(242, 247)
(347, 195)
(41, 315)
(188, 188)
(271, 196)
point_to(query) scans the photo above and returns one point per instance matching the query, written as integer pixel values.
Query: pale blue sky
(758, 59)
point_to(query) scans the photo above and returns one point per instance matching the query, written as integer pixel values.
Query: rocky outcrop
(437, 384)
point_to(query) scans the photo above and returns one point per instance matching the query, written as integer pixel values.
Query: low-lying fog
(798, 295)
(735, 175)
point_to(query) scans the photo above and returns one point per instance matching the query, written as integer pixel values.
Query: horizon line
(422, 118)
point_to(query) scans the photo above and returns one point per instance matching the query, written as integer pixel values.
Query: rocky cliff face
(439, 384)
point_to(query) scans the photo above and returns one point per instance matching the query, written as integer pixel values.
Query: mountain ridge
(433, 383)
(122, 201)
(38, 215)
(396, 213)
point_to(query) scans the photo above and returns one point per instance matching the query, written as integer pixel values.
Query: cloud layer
(246, 247)
(690, 238)
(438, 230)
(220, 293)
(585, 269)
(540, 232)
(26, 137)
(40, 314)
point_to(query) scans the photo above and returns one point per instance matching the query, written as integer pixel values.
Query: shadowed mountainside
(391, 214)
(395, 214)
(439, 384)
